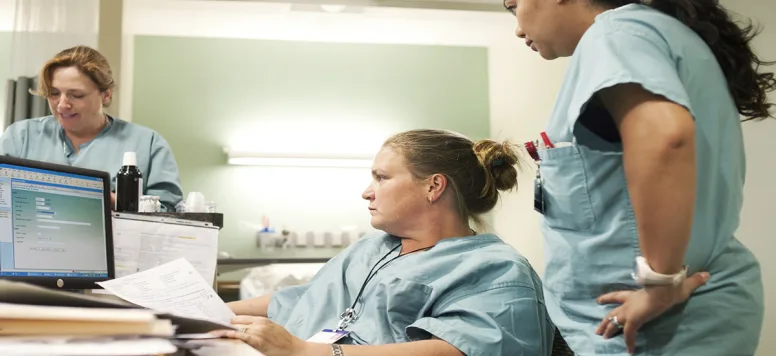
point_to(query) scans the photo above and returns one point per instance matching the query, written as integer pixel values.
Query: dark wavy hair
(730, 44)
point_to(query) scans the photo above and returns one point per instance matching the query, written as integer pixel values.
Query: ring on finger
(613, 320)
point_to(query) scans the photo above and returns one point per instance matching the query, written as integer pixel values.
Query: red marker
(546, 140)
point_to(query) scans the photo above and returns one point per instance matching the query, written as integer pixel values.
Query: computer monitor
(55, 225)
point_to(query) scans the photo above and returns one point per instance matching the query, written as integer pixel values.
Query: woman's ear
(436, 186)
(107, 96)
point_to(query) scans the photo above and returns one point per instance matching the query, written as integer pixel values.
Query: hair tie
(497, 162)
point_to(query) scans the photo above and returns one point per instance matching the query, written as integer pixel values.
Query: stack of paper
(164, 303)
(19, 319)
(63, 331)
(81, 346)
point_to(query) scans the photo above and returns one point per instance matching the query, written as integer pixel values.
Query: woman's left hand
(640, 306)
(265, 336)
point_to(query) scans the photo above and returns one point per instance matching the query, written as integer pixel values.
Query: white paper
(68, 346)
(174, 287)
(126, 250)
(139, 245)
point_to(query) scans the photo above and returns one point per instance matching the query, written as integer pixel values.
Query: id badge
(328, 336)
(538, 194)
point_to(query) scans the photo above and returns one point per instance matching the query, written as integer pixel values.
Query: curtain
(20, 104)
(42, 28)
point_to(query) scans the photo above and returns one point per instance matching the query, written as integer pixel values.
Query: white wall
(758, 226)
(7, 8)
(523, 88)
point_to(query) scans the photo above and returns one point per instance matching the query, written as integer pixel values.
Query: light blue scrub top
(589, 227)
(43, 139)
(475, 292)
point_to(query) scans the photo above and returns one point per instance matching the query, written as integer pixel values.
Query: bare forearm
(417, 348)
(255, 306)
(661, 182)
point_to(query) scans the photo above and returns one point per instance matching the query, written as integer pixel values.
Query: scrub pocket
(388, 310)
(565, 193)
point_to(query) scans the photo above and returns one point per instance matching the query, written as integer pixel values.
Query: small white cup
(195, 203)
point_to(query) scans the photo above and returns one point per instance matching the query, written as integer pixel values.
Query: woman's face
(75, 100)
(543, 24)
(396, 198)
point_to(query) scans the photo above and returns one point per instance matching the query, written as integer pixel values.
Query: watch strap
(647, 277)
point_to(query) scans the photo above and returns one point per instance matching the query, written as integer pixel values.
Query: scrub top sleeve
(9, 145)
(622, 52)
(284, 301)
(506, 320)
(163, 177)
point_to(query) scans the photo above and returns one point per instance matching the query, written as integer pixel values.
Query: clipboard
(141, 242)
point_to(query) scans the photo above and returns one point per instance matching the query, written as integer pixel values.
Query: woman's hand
(265, 336)
(640, 306)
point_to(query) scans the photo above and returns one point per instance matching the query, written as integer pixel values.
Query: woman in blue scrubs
(427, 284)
(78, 84)
(641, 175)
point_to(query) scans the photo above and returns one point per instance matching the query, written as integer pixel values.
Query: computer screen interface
(52, 224)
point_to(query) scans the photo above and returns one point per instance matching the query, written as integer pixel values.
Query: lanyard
(350, 313)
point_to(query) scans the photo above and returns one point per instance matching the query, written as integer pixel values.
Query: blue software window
(51, 224)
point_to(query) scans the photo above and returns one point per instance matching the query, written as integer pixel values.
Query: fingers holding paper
(265, 336)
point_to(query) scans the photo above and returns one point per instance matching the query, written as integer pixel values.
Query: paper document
(47, 312)
(68, 346)
(174, 287)
(143, 242)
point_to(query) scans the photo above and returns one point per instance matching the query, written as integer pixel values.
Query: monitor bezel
(72, 283)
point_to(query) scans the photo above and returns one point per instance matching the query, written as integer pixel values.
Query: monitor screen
(54, 227)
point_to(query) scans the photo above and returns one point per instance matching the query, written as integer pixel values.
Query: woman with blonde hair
(78, 84)
(427, 284)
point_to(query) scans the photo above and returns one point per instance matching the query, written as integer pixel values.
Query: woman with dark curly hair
(641, 174)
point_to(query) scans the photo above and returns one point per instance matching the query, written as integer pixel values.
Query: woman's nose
(519, 33)
(367, 194)
(62, 103)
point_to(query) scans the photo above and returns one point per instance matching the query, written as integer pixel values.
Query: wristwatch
(645, 276)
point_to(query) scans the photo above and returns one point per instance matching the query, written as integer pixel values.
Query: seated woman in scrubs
(78, 84)
(427, 284)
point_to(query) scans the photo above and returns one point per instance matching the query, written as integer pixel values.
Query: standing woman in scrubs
(642, 175)
(78, 83)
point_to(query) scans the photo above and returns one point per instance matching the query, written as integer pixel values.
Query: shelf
(257, 258)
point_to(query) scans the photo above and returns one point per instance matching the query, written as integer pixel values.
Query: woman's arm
(255, 306)
(163, 176)
(434, 347)
(658, 138)
(272, 339)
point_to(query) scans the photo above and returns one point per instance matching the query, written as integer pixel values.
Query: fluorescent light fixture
(333, 8)
(250, 158)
